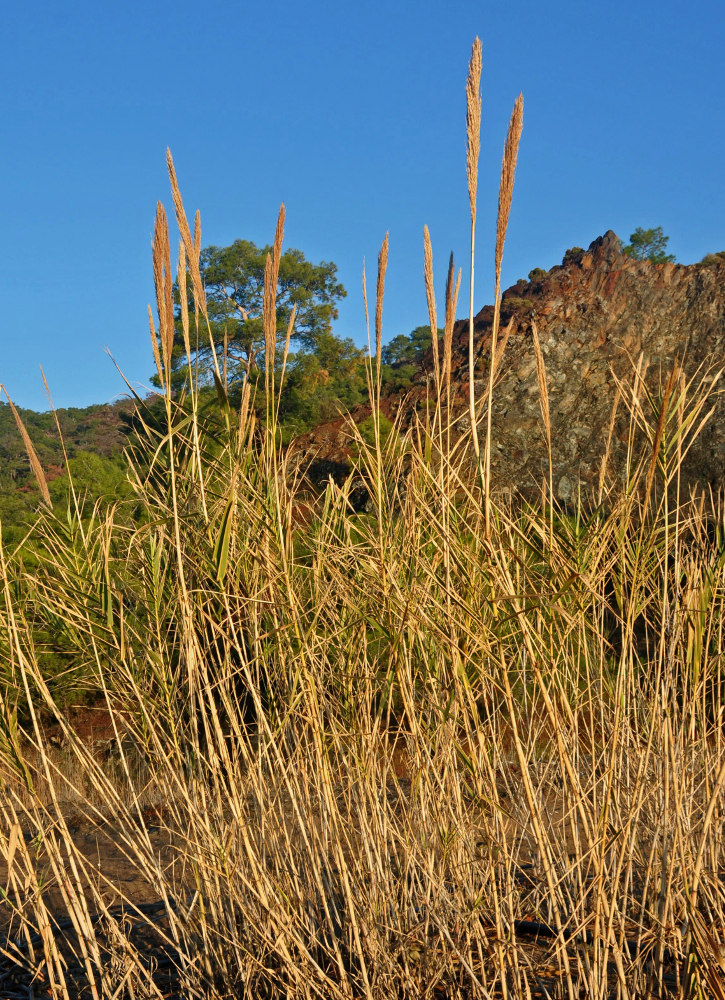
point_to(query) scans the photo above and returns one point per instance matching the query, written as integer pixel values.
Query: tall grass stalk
(473, 152)
(505, 195)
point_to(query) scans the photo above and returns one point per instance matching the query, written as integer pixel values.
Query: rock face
(597, 316)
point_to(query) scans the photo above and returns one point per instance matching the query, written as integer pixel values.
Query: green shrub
(714, 258)
(515, 303)
(572, 255)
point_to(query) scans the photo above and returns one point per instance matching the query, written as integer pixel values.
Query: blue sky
(354, 116)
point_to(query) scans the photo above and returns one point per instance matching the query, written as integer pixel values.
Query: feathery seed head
(473, 122)
(508, 170)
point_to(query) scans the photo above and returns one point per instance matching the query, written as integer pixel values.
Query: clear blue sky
(354, 115)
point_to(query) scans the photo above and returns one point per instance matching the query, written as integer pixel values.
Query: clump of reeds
(381, 762)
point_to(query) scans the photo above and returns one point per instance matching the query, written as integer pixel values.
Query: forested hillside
(93, 437)
(321, 383)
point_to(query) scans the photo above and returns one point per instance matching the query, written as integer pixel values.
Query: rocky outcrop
(596, 316)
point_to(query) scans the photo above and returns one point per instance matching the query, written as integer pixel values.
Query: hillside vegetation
(86, 444)
(93, 437)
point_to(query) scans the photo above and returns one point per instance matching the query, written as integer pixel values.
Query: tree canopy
(649, 244)
(234, 280)
(324, 374)
(408, 349)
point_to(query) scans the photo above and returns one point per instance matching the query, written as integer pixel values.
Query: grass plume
(163, 283)
(431, 299)
(379, 296)
(451, 305)
(473, 151)
(505, 195)
(31, 452)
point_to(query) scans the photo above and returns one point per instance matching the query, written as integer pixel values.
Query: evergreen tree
(649, 244)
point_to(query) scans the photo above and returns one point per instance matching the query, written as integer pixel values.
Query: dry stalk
(193, 248)
(163, 283)
(660, 430)
(451, 303)
(473, 123)
(365, 303)
(379, 295)
(31, 452)
(505, 194)
(608, 444)
(155, 348)
(430, 296)
(184, 302)
(506, 186)
(197, 235)
(501, 347)
(285, 354)
(473, 151)
(271, 277)
(544, 404)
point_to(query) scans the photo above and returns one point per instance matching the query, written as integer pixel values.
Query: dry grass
(451, 305)
(32, 455)
(473, 151)
(432, 315)
(379, 296)
(505, 195)
(544, 403)
(450, 748)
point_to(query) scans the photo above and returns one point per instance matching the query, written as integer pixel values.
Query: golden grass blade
(430, 296)
(541, 378)
(15, 835)
(369, 359)
(501, 346)
(197, 254)
(244, 412)
(608, 444)
(271, 277)
(365, 304)
(379, 295)
(285, 355)
(544, 404)
(155, 348)
(225, 361)
(71, 484)
(660, 430)
(451, 304)
(449, 320)
(31, 452)
(268, 309)
(181, 282)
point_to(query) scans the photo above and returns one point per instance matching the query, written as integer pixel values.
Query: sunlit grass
(388, 749)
